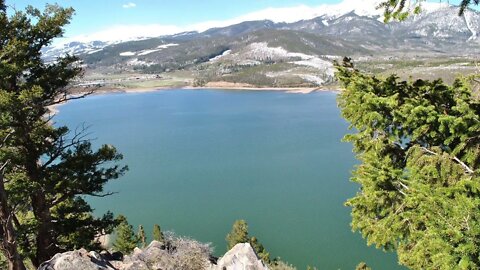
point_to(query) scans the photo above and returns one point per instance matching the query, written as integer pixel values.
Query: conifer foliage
(239, 234)
(419, 147)
(401, 9)
(46, 171)
(158, 234)
(126, 240)
(141, 236)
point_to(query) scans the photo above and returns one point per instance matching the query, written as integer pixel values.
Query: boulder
(240, 257)
(77, 260)
(158, 256)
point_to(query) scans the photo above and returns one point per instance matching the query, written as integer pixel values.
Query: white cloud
(287, 14)
(129, 5)
(127, 32)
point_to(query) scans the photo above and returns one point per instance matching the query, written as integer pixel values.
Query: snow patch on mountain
(149, 51)
(312, 78)
(73, 48)
(145, 52)
(136, 62)
(218, 57)
(472, 19)
(317, 63)
(164, 46)
(127, 53)
(261, 51)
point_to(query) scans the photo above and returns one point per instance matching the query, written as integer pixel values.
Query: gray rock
(78, 259)
(240, 257)
(187, 255)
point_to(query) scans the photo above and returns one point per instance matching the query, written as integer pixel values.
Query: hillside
(437, 42)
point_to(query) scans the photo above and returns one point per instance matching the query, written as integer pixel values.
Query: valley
(264, 54)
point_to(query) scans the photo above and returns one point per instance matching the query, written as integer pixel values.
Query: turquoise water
(199, 160)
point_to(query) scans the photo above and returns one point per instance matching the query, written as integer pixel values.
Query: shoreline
(294, 90)
(107, 91)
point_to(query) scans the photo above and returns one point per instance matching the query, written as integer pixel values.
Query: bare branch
(461, 163)
(4, 141)
(68, 195)
(102, 195)
(403, 185)
(468, 169)
(4, 165)
(65, 97)
(429, 151)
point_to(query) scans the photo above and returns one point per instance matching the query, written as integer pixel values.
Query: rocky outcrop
(78, 259)
(185, 255)
(240, 257)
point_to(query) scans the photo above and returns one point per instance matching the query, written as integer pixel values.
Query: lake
(199, 160)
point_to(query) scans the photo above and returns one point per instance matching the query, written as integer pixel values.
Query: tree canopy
(419, 147)
(239, 234)
(46, 170)
(158, 234)
(126, 240)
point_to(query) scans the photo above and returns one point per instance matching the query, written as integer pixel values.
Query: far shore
(105, 91)
(295, 90)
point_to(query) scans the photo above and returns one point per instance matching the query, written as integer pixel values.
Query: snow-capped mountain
(304, 48)
(437, 20)
(74, 48)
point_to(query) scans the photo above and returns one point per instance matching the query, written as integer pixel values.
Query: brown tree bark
(46, 247)
(9, 240)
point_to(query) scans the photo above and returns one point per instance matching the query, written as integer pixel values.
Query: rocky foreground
(157, 256)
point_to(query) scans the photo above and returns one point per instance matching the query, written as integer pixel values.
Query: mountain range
(265, 53)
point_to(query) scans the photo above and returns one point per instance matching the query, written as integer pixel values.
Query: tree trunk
(45, 245)
(9, 241)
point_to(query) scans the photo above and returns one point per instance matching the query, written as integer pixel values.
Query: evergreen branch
(70, 194)
(461, 163)
(78, 138)
(67, 97)
(4, 141)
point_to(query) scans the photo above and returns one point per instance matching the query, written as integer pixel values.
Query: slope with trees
(419, 147)
(46, 170)
(418, 143)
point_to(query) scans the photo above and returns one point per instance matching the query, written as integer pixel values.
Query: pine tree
(158, 234)
(260, 250)
(239, 234)
(401, 9)
(142, 238)
(419, 147)
(362, 266)
(126, 240)
(49, 170)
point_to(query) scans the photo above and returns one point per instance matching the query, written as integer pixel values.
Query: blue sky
(94, 14)
(170, 15)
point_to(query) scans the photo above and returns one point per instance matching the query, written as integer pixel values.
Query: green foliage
(158, 234)
(142, 238)
(419, 147)
(49, 169)
(277, 264)
(362, 266)
(238, 234)
(126, 240)
(260, 250)
(400, 10)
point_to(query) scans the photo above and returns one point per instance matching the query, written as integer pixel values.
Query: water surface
(199, 160)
